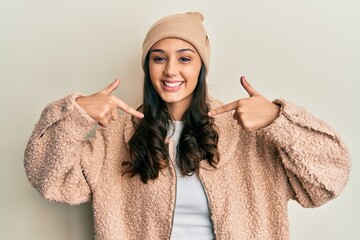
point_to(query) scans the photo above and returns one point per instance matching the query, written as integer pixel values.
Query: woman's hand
(252, 113)
(102, 106)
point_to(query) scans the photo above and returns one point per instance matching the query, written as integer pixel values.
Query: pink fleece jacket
(297, 157)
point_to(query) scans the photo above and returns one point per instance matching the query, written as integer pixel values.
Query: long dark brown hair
(148, 148)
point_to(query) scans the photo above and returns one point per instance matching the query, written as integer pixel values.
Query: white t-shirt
(192, 215)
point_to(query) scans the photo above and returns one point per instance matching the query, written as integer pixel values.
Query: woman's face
(174, 66)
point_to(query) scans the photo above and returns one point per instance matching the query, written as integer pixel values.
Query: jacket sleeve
(59, 162)
(316, 161)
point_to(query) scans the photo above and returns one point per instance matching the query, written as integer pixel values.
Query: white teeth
(172, 84)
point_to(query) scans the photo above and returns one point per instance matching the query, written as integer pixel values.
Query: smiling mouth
(172, 84)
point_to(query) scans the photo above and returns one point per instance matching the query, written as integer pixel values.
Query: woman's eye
(159, 59)
(184, 59)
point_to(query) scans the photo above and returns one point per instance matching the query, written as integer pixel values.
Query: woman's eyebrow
(178, 51)
(185, 50)
(157, 50)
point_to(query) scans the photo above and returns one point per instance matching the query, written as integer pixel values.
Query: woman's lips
(172, 85)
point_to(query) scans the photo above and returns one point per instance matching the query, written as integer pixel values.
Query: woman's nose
(171, 68)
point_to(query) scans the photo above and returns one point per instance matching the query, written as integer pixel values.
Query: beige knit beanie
(185, 26)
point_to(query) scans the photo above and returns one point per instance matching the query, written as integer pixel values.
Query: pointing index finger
(123, 106)
(223, 109)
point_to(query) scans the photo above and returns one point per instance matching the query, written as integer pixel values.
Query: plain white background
(307, 52)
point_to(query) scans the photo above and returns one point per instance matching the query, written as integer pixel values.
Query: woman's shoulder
(213, 102)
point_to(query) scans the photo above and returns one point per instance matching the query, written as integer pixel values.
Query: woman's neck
(177, 110)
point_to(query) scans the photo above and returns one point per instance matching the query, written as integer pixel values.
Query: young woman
(184, 166)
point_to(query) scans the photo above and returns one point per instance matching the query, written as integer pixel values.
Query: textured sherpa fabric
(297, 157)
